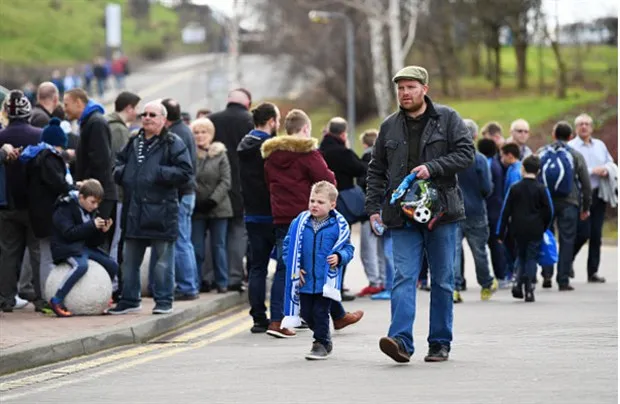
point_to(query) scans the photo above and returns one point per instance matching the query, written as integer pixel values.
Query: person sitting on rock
(77, 233)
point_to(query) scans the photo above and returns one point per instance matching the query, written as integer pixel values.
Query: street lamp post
(324, 17)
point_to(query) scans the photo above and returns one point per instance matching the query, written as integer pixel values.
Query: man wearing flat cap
(431, 141)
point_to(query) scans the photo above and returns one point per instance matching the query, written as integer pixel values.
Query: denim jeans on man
(388, 253)
(262, 239)
(315, 311)
(409, 244)
(186, 275)
(80, 267)
(217, 229)
(527, 253)
(476, 231)
(591, 231)
(498, 255)
(567, 216)
(161, 278)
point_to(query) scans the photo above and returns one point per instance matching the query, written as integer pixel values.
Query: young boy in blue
(317, 246)
(77, 233)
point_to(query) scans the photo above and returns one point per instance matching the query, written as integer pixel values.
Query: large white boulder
(89, 296)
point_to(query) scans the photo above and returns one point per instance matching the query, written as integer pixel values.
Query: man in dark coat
(231, 125)
(151, 169)
(47, 101)
(94, 153)
(15, 227)
(431, 141)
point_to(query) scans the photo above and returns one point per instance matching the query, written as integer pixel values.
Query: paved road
(561, 349)
(200, 81)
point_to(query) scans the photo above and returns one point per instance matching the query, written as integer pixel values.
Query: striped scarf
(333, 278)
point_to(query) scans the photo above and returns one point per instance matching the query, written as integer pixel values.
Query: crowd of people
(216, 198)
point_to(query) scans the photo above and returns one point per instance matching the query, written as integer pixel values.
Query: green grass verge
(73, 31)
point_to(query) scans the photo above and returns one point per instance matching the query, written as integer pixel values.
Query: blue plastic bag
(548, 253)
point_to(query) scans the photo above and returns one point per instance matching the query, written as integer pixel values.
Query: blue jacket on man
(475, 184)
(315, 249)
(151, 188)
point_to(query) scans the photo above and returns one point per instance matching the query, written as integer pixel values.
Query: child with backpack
(565, 174)
(526, 214)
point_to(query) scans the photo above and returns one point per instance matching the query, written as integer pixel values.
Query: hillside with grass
(62, 32)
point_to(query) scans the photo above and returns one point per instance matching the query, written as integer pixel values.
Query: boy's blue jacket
(70, 234)
(315, 249)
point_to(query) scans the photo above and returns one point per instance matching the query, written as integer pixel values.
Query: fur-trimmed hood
(289, 144)
(215, 149)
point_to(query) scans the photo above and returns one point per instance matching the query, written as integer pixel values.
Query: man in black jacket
(47, 101)
(94, 154)
(185, 272)
(432, 141)
(257, 205)
(151, 169)
(231, 125)
(346, 167)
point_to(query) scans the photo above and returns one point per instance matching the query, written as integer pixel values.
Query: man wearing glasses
(151, 169)
(519, 134)
(598, 160)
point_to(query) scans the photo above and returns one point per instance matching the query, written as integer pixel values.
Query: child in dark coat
(526, 214)
(77, 233)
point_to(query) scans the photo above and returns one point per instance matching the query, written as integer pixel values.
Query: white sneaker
(20, 303)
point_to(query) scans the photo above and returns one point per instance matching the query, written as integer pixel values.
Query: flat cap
(412, 73)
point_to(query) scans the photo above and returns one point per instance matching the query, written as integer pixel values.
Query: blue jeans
(527, 252)
(186, 275)
(409, 245)
(80, 266)
(476, 231)
(388, 251)
(262, 239)
(315, 311)
(217, 235)
(277, 288)
(162, 276)
(566, 216)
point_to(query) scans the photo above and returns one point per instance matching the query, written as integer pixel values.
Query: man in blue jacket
(475, 184)
(151, 169)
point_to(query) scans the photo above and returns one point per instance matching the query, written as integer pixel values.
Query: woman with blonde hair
(213, 207)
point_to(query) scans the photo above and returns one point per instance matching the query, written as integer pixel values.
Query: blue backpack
(557, 170)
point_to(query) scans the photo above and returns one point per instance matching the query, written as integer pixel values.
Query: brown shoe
(348, 319)
(394, 349)
(275, 331)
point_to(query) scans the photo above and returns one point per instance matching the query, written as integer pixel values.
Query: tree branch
(413, 23)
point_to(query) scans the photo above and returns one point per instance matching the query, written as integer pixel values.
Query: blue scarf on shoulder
(333, 278)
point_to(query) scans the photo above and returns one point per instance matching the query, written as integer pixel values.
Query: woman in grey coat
(213, 208)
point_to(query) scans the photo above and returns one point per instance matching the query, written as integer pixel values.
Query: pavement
(563, 348)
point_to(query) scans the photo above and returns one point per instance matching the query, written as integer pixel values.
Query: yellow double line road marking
(163, 352)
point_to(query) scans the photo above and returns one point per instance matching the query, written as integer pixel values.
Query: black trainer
(565, 288)
(259, 327)
(318, 352)
(596, 279)
(517, 291)
(437, 353)
(394, 349)
(529, 295)
(547, 283)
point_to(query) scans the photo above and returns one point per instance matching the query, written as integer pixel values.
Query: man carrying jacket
(431, 141)
(151, 169)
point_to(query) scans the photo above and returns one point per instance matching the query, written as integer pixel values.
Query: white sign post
(113, 25)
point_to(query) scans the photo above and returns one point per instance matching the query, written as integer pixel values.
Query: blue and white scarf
(333, 276)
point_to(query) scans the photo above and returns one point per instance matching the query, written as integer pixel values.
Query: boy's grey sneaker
(162, 309)
(318, 352)
(124, 308)
(437, 353)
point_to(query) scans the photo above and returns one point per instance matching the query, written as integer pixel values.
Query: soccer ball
(422, 214)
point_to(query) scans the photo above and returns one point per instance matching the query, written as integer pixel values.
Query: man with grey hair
(151, 169)
(519, 135)
(48, 99)
(475, 184)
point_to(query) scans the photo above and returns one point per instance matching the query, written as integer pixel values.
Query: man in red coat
(293, 164)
